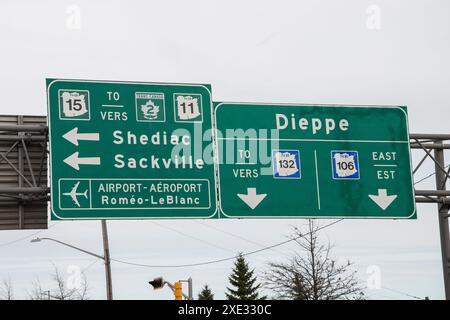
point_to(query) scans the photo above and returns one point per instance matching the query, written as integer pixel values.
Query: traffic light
(178, 290)
(157, 283)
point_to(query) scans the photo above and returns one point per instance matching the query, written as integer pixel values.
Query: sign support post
(109, 290)
(441, 180)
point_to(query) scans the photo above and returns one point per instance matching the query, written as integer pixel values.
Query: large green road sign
(314, 161)
(130, 150)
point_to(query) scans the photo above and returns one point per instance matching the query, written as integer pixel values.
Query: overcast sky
(346, 52)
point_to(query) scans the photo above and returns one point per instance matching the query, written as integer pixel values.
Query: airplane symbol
(74, 194)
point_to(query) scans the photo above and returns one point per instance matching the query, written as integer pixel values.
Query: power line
(212, 261)
(28, 236)
(90, 265)
(235, 236)
(403, 293)
(429, 176)
(225, 259)
(381, 296)
(192, 237)
(250, 253)
(393, 290)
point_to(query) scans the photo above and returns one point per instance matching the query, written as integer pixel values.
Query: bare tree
(82, 292)
(61, 291)
(312, 274)
(6, 290)
(37, 293)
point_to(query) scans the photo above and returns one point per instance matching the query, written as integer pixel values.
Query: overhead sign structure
(145, 150)
(313, 161)
(23, 172)
(130, 150)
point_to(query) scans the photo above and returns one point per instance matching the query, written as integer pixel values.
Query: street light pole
(105, 258)
(68, 245)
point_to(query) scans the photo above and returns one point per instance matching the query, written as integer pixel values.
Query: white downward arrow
(74, 161)
(382, 199)
(251, 198)
(73, 136)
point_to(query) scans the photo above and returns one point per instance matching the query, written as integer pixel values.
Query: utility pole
(105, 258)
(109, 291)
(441, 180)
(190, 290)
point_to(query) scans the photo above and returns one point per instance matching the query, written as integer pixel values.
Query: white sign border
(257, 104)
(53, 81)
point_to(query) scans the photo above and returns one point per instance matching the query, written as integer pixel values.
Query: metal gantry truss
(433, 146)
(24, 191)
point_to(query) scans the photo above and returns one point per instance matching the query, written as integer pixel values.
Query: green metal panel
(123, 150)
(314, 161)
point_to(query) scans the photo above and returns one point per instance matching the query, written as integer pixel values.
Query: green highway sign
(127, 150)
(123, 150)
(285, 161)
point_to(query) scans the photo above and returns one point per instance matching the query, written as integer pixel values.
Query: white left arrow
(74, 161)
(251, 198)
(382, 199)
(73, 136)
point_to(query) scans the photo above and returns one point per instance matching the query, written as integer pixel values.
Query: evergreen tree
(243, 282)
(206, 294)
